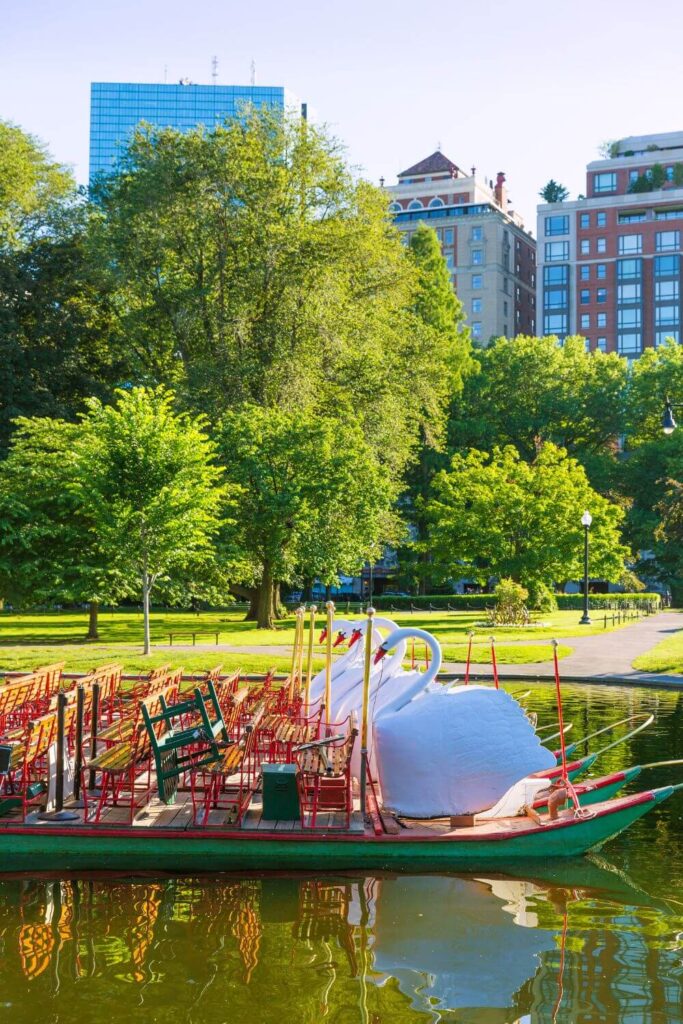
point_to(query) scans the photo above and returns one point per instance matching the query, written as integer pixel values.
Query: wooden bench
(229, 783)
(20, 701)
(324, 779)
(24, 781)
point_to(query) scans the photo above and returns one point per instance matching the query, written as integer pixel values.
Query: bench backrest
(24, 690)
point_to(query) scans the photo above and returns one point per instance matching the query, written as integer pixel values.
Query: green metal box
(280, 793)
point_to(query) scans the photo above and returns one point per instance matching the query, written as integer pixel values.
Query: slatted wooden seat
(229, 783)
(126, 766)
(121, 729)
(20, 701)
(282, 732)
(26, 775)
(324, 779)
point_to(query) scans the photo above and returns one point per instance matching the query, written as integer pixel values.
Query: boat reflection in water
(480, 950)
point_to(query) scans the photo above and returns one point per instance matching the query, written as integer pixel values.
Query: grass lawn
(667, 656)
(33, 638)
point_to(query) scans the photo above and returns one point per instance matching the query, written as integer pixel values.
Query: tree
(553, 192)
(148, 479)
(314, 500)
(33, 187)
(249, 264)
(447, 338)
(527, 391)
(496, 515)
(48, 547)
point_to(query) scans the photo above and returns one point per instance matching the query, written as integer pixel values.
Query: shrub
(542, 599)
(510, 608)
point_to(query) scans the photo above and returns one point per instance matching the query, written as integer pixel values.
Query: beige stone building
(491, 257)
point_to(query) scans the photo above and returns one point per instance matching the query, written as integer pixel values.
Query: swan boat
(418, 805)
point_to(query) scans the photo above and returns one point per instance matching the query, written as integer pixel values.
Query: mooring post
(94, 729)
(78, 754)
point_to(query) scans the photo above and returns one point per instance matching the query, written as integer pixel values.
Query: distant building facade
(116, 108)
(609, 264)
(490, 256)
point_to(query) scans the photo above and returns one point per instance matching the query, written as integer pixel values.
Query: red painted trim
(607, 808)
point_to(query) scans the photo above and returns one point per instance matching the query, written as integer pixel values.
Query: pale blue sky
(530, 88)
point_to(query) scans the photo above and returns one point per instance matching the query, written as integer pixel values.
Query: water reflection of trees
(399, 949)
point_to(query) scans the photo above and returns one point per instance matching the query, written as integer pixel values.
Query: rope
(648, 720)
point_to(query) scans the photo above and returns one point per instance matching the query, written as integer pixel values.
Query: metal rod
(94, 729)
(59, 774)
(366, 709)
(78, 753)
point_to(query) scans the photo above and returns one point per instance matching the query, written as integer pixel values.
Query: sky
(529, 88)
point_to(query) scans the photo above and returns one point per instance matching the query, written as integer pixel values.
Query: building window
(666, 266)
(630, 344)
(556, 225)
(627, 269)
(662, 336)
(476, 329)
(555, 251)
(601, 271)
(601, 295)
(630, 244)
(476, 282)
(602, 320)
(601, 245)
(629, 293)
(668, 214)
(666, 291)
(633, 176)
(585, 321)
(476, 305)
(605, 182)
(585, 246)
(628, 318)
(601, 344)
(555, 298)
(436, 202)
(506, 285)
(585, 220)
(450, 261)
(477, 257)
(586, 272)
(415, 204)
(601, 220)
(667, 241)
(555, 323)
(667, 316)
(555, 275)
(632, 218)
(395, 207)
(477, 234)
(669, 173)
(585, 296)
(448, 236)
(505, 307)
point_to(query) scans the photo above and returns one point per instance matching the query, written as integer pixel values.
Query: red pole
(494, 662)
(412, 652)
(469, 658)
(558, 692)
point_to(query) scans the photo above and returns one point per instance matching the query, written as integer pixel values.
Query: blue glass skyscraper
(116, 108)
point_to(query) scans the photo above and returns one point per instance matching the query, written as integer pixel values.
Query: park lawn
(666, 656)
(506, 654)
(83, 657)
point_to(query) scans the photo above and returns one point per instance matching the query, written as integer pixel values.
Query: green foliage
(553, 192)
(531, 390)
(314, 499)
(496, 515)
(678, 175)
(482, 602)
(32, 187)
(509, 607)
(542, 598)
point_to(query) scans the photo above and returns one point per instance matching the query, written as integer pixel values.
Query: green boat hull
(81, 848)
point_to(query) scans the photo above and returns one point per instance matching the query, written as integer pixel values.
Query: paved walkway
(603, 657)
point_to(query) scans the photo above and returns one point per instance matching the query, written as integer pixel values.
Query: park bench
(24, 769)
(280, 733)
(230, 782)
(124, 764)
(121, 729)
(20, 701)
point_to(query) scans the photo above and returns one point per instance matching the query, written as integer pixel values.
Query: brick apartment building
(491, 258)
(609, 264)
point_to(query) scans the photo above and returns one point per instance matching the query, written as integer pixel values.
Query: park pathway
(605, 657)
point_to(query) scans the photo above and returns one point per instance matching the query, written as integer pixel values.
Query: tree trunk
(264, 611)
(279, 609)
(252, 610)
(145, 611)
(93, 612)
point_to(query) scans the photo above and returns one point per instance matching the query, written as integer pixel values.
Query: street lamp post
(668, 420)
(586, 520)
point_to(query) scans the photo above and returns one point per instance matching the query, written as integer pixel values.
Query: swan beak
(341, 637)
(381, 653)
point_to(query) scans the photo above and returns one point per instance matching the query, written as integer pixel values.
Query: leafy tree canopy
(553, 192)
(496, 515)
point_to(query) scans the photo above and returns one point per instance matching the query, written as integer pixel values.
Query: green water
(599, 940)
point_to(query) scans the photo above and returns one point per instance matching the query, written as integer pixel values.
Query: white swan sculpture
(446, 752)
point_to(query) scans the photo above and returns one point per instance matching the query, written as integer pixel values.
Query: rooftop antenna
(165, 73)
(253, 72)
(438, 146)
(214, 69)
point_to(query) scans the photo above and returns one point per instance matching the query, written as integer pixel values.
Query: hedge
(479, 602)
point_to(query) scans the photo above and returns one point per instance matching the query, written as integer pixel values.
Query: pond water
(594, 940)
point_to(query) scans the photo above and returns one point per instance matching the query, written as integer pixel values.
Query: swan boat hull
(55, 846)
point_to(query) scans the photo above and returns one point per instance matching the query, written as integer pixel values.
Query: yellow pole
(366, 709)
(328, 661)
(309, 661)
(295, 652)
